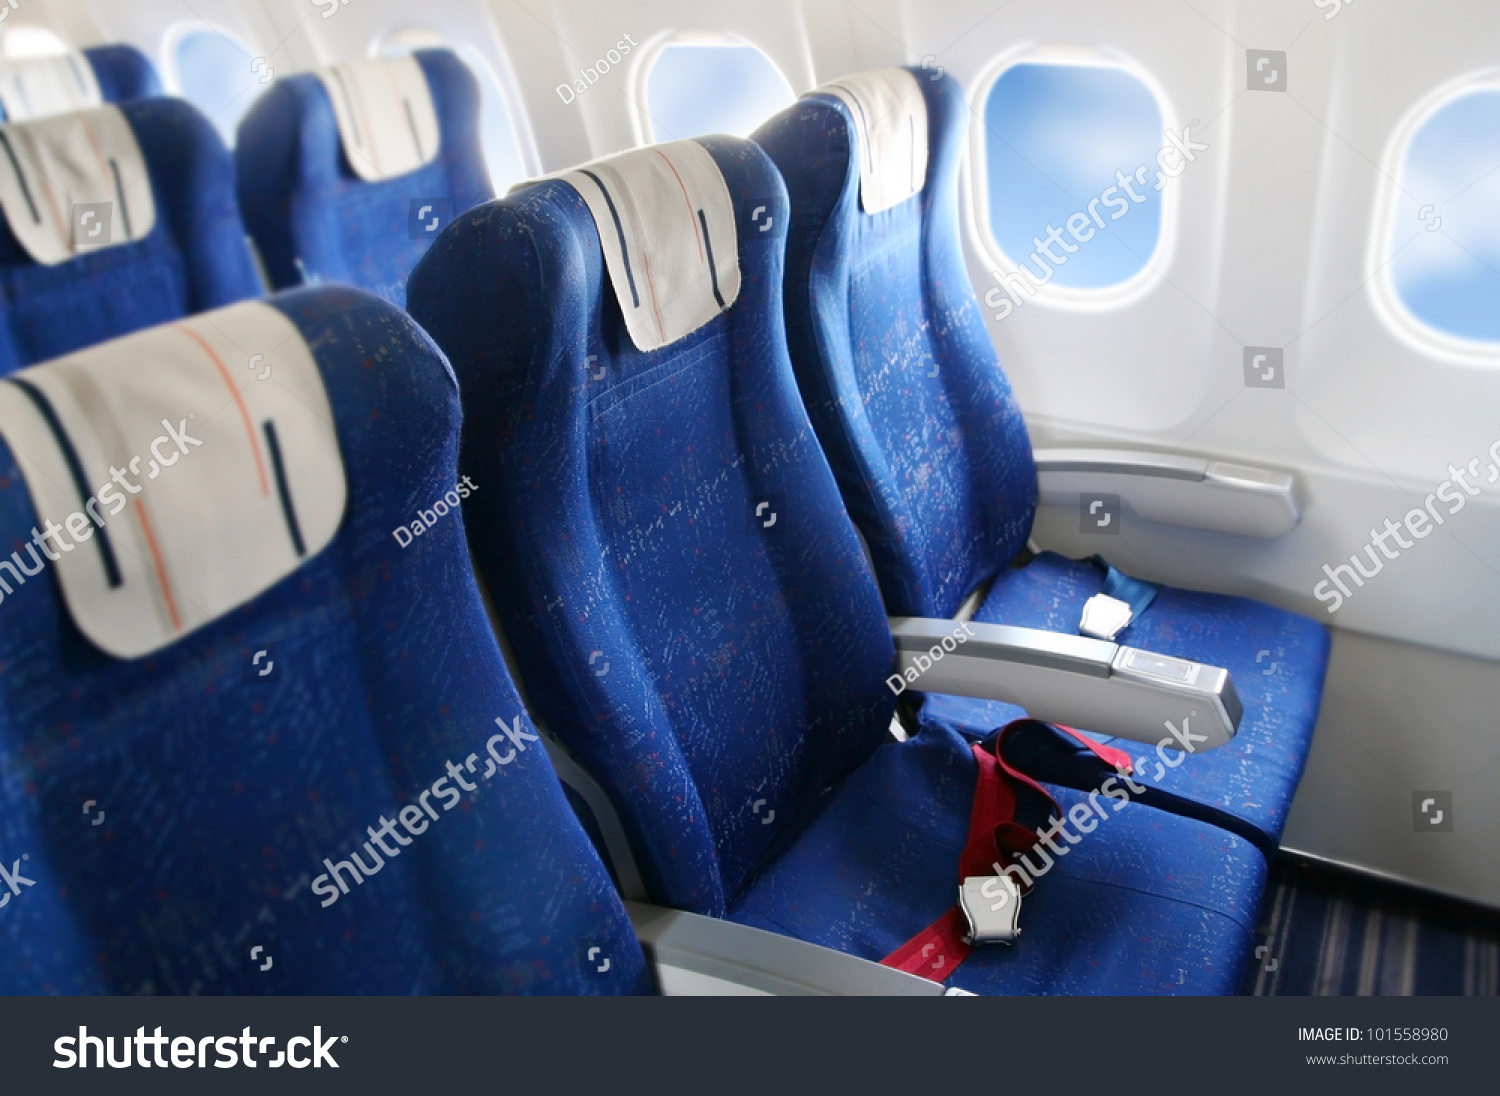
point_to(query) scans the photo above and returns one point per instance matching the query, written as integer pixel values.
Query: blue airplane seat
(123, 73)
(39, 86)
(249, 743)
(690, 608)
(160, 195)
(322, 207)
(931, 453)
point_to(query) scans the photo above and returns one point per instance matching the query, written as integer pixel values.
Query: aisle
(1330, 932)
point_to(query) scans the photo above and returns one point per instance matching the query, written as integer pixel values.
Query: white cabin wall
(72, 20)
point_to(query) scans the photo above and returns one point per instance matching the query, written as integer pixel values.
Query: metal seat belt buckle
(992, 906)
(1105, 617)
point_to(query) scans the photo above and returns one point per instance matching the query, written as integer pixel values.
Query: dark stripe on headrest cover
(287, 509)
(75, 469)
(21, 178)
(713, 271)
(635, 298)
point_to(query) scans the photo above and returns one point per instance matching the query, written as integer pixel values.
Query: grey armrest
(1081, 682)
(1173, 489)
(693, 954)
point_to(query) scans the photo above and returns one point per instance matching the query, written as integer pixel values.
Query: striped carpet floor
(1329, 932)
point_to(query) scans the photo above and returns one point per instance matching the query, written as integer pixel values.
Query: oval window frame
(1385, 298)
(656, 45)
(1067, 298)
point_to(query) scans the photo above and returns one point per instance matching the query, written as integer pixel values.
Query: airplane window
(219, 75)
(695, 88)
(1071, 168)
(502, 147)
(497, 130)
(1446, 261)
(33, 42)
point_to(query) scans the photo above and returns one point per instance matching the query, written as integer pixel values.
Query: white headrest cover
(38, 86)
(183, 485)
(666, 222)
(387, 122)
(49, 167)
(890, 120)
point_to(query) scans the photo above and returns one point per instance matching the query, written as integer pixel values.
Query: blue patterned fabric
(222, 795)
(1148, 903)
(314, 220)
(123, 73)
(721, 675)
(193, 260)
(928, 444)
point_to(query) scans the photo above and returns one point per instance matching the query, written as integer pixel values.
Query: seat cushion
(1148, 903)
(1277, 660)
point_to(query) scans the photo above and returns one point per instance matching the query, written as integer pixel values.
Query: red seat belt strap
(1115, 759)
(936, 951)
(994, 805)
(994, 835)
(994, 838)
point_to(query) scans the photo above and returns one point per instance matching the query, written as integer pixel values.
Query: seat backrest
(236, 714)
(35, 87)
(685, 596)
(123, 72)
(343, 178)
(890, 349)
(182, 252)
